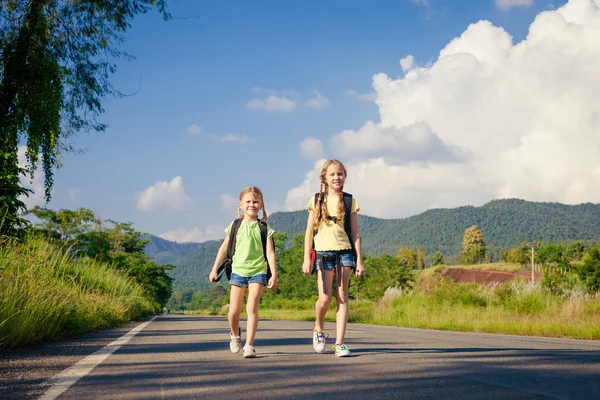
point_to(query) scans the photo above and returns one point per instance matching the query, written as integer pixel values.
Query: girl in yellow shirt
(334, 252)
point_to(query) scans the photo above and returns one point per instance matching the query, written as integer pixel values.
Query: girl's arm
(219, 259)
(272, 284)
(308, 242)
(360, 268)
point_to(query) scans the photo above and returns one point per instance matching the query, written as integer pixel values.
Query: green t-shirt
(248, 258)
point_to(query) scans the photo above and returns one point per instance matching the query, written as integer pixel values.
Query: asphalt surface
(188, 357)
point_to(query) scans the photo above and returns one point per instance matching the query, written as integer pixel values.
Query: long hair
(256, 192)
(322, 213)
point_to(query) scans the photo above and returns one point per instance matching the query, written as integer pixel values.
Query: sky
(429, 103)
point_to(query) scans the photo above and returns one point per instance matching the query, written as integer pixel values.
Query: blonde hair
(322, 213)
(258, 194)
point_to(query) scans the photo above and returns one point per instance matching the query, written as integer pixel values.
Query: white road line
(65, 379)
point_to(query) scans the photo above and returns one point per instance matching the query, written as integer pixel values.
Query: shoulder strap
(263, 238)
(347, 211)
(235, 226)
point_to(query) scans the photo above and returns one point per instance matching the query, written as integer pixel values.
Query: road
(188, 357)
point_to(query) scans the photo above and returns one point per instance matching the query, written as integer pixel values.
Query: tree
(421, 254)
(519, 255)
(473, 246)
(574, 251)
(408, 257)
(55, 64)
(438, 259)
(589, 272)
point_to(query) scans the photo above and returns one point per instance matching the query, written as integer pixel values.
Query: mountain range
(505, 223)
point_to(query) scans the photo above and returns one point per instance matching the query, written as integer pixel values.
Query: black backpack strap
(263, 238)
(235, 226)
(347, 212)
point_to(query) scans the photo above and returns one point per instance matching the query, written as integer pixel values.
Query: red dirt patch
(487, 277)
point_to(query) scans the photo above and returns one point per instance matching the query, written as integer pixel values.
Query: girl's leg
(254, 291)
(341, 296)
(235, 308)
(324, 282)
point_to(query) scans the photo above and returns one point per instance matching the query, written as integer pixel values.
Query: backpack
(226, 264)
(347, 198)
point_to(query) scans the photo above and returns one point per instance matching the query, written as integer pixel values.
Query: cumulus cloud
(165, 196)
(412, 143)
(407, 63)
(36, 184)
(508, 4)
(182, 235)
(317, 102)
(228, 202)
(272, 103)
(311, 148)
(495, 120)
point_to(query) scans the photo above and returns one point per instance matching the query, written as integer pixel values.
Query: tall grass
(515, 308)
(45, 294)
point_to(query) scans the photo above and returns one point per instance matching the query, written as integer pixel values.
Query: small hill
(165, 251)
(192, 270)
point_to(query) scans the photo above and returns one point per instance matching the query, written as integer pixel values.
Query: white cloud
(165, 196)
(272, 103)
(194, 129)
(317, 102)
(36, 185)
(527, 113)
(407, 63)
(362, 96)
(230, 137)
(182, 235)
(228, 202)
(311, 148)
(409, 144)
(508, 4)
(424, 3)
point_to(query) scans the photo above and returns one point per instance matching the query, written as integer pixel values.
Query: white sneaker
(249, 351)
(319, 341)
(235, 342)
(342, 351)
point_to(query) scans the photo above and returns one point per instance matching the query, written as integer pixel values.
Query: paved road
(187, 357)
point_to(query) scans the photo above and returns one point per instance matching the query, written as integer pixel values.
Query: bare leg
(324, 282)
(341, 296)
(254, 291)
(235, 308)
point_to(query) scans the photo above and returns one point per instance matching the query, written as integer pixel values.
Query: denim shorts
(244, 281)
(328, 259)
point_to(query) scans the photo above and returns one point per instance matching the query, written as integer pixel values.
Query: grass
(45, 294)
(515, 308)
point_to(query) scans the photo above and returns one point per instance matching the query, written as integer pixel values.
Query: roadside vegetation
(563, 301)
(70, 274)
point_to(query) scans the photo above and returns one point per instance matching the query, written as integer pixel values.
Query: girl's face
(250, 205)
(335, 177)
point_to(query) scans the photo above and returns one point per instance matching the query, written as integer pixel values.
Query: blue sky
(236, 93)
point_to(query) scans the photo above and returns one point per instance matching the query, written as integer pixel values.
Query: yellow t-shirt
(330, 236)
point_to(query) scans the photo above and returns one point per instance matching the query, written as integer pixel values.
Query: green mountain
(192, 270)
(165, 251)
(504, 223)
